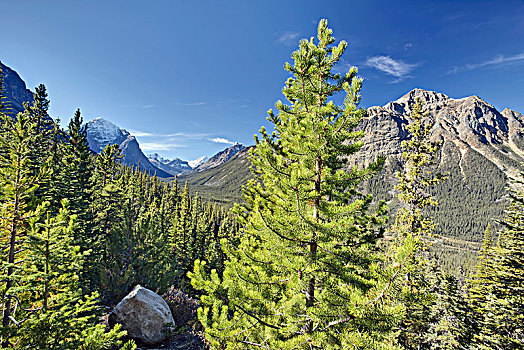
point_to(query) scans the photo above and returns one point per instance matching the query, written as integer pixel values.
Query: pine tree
(107, 213)
(65, 318)
(412, 230)
(43, 133)
(305, 273)
(453, 325)
(181, 231)
(19, 184)
(481, 281)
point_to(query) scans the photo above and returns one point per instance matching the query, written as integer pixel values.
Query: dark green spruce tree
(453, 325)
(305, 274)
(76, 174)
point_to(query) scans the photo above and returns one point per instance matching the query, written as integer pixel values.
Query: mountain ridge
(173, 167)
(221, 157)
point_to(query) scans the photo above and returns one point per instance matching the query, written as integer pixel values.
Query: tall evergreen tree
(413, 228)
(18, 184)
(305, 272)
(107, 212)
(453, 324)
(481, 281)
(76, 175)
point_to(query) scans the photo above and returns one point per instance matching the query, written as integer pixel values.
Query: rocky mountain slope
(16, 90)
(480, 149)
(223, 182)
(101, 132)
(220, 157)
(466, 125)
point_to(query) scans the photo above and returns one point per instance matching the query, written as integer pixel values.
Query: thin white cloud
(138, 133)
(497, 61)
(141, 106)
(240, 107)
(198, 103)
(222, 140)
(391, 66)
(187, 135)
(154, 146)
(288, 38)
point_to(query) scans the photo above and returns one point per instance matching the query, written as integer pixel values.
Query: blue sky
(187, 77)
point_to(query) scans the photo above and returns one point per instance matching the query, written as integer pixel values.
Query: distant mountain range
(197, 162)
(173, 167)
(100, 132)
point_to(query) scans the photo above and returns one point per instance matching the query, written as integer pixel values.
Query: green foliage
(453, 326)
(416, 179)
(304, 273)
(97, 338)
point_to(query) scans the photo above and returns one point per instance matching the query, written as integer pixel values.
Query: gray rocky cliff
(16, 90)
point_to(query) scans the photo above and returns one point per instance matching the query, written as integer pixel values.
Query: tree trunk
(11, 258)
(310, 291)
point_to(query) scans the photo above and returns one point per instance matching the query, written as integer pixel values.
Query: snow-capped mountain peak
(172, 167)
(100, 132)
(157, 157)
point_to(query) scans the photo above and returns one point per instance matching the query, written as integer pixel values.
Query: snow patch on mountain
(197, 162)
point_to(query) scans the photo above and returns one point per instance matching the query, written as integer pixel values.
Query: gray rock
(144, 315)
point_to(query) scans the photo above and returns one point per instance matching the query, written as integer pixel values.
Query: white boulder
(144, 315)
